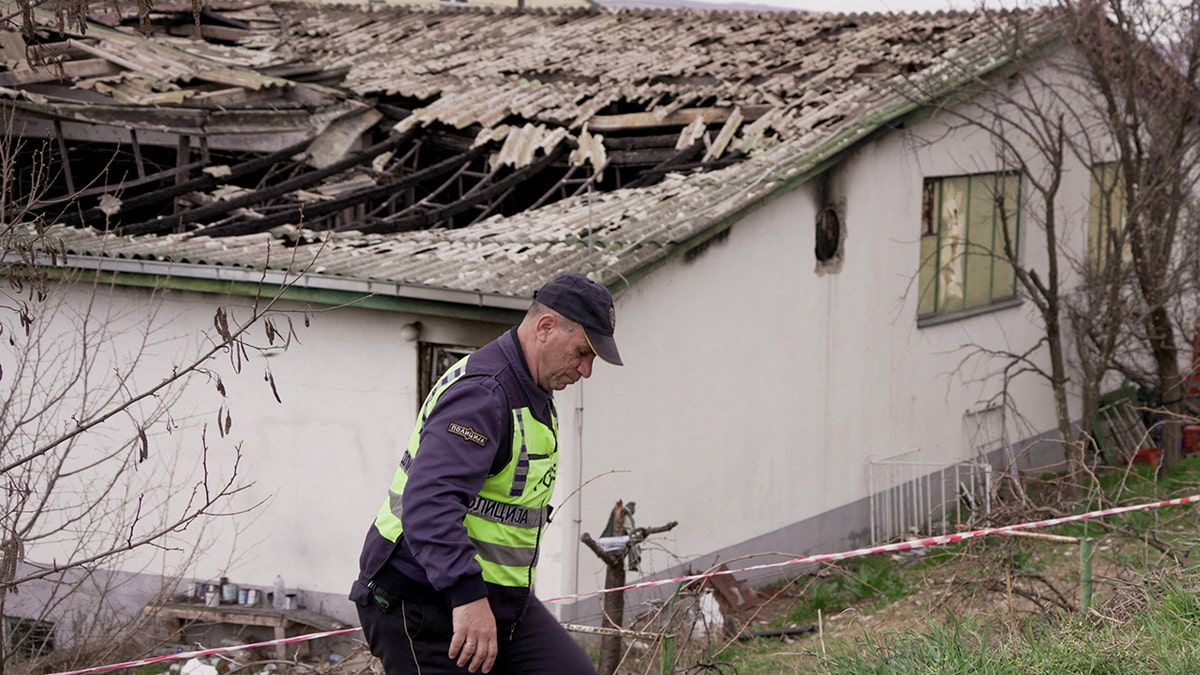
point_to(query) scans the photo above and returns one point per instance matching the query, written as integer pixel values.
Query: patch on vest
(468, 433)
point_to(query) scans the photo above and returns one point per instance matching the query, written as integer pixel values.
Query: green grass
(1161, 638)
(871, 578)
(1151, 623)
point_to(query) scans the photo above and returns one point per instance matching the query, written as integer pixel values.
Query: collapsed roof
(410, 151)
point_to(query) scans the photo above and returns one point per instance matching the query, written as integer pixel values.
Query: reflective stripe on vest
(504, 520)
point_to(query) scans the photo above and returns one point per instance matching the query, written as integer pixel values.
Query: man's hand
(474, 640)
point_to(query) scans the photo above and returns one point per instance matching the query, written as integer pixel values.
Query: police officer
(447, 569)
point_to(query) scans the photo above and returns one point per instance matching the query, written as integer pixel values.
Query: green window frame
(963, 224)
(1106, 216)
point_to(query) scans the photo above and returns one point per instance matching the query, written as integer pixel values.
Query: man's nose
(585, 365)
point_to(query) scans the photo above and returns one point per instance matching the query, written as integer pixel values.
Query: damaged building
(247, 117)
(755, 189)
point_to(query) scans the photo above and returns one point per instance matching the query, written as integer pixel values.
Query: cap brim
(605, 347)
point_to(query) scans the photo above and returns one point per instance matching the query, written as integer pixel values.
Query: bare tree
(99, 467)
(620, 527)
(73, 13)
(1143, 59)
(1035, 129)
(1101, 103)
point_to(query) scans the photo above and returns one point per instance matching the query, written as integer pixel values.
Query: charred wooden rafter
(568, 179)
(673, 163)
(649, 177)
(417, 221)
(310, 214)
(307, 179)
(493, 203)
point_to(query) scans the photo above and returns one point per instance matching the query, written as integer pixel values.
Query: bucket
(212, 595)
(1191, 439)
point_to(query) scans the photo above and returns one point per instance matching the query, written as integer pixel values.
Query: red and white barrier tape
(825, 557)
(207, 652)
(902, 546)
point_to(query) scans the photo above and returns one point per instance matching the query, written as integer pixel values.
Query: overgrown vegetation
(1157, 634)
(1002, 604)
(872, 580)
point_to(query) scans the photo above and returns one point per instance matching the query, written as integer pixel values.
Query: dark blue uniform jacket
(433, 561)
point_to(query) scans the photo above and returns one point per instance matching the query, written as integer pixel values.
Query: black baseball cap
(588, 304)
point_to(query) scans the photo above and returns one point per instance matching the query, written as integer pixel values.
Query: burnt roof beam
(313, 212)
(678, 118)
(423, 220)
(165, 225)
(562, 184)
(423, 206)
(95, 216)
(493, 203)
(655, 173)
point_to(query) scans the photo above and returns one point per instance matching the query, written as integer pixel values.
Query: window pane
(928, 277)
(952, 243)
(980, 236)
(1004, 282)
(963, 224)
(1106, 215)
(1097, 211)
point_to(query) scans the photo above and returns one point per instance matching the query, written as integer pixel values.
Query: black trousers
(414, 638)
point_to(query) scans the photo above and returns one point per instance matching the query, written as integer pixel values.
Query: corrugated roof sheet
(538, 78)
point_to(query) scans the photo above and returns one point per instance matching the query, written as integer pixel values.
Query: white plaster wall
(314, 468)
(321, 459)
(349, 406)
(756, 390)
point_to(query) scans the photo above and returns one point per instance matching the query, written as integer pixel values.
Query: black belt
(396, 587)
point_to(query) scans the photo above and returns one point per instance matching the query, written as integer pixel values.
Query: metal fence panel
(925, 498)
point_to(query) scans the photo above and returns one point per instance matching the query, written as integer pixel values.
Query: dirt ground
(999, 586)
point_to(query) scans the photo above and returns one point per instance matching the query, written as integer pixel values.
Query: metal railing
(926, 498)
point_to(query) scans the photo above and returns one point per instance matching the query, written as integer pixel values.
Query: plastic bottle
(280, 597)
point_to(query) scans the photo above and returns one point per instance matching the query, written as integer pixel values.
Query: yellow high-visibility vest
(505, 519)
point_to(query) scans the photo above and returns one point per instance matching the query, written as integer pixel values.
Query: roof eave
(302, 287)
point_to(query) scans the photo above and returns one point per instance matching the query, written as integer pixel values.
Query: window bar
(958, 505)
(873, 501)
(924, 495)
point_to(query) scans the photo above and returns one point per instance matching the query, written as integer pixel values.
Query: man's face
(565, 357)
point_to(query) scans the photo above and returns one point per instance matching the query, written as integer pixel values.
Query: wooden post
(1085, 574)
(614, 577)
(183, 155)
(66, 159)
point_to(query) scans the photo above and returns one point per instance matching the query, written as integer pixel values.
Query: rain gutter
(307, 287)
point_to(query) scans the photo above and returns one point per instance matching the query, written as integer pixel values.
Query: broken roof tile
(521, 85)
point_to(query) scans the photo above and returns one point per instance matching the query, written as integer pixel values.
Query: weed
(1145, 615)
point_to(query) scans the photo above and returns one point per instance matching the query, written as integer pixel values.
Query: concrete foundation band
(825, 557)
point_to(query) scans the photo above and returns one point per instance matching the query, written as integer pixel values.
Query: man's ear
(544, 324)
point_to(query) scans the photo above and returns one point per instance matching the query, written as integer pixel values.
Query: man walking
(447, 569)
